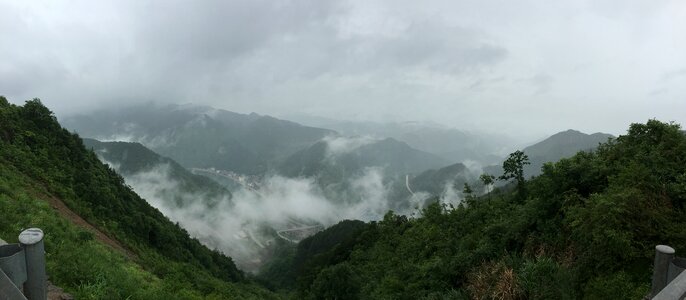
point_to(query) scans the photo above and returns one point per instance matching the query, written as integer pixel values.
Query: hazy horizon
(525, 69)
(516, 141)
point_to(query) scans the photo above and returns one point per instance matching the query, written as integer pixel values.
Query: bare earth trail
(70, 215)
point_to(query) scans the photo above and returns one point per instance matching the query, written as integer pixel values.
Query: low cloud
(474, 167)
(416, 202)
(242, 226)
(374, 195)
(337, 145)
(451, 195)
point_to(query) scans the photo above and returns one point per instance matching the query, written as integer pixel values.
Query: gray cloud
(541, 82)
(235, 225)
(453, 62)
(674, 74)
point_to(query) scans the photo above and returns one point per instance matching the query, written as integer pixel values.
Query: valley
(343, 150)
(310, 210)
(346, 177)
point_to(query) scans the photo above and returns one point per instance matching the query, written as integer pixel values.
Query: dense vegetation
(585, 228)
(293, 263)
(41, 160)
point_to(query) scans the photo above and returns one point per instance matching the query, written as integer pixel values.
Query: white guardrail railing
(22, 267)
(669, 278)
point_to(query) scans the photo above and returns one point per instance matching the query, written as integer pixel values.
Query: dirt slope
(70, 215)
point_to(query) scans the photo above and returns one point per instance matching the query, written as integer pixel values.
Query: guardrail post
(35, 287)
(663, 257)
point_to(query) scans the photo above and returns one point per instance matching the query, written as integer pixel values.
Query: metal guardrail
(669, 278)
(22, 268)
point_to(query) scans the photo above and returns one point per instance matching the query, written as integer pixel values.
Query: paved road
(407, 184)
(315, 228)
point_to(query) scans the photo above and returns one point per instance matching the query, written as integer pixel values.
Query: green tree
(336, 282)
(513, 168)
(488, 181)
(587, 231)
(467, 190)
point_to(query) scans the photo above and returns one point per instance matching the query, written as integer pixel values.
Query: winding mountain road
(303, 232)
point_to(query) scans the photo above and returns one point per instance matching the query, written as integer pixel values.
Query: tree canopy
(587, 228)
(41, 160)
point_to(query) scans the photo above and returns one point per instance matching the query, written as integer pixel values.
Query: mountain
(433, 181)
(196, 202)
(451, 144)
(566, 144)
(560, 145)
(351, 171)
(131, 160)
(586, 228)
(201, 136)
(331, 163)
(418, 189)
(102, 240)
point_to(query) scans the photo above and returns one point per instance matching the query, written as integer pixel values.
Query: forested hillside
(132, 159)
(585, 228)
(44, 166)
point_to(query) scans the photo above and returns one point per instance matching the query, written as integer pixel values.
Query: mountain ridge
(450, 143)
(555, 147)
(245, 143)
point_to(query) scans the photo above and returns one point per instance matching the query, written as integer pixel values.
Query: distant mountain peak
(572, 136)
(192, 106)
(570, 131)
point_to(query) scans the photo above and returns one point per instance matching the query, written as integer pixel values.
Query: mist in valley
(309, 178)
(380, 149)
(246, 225)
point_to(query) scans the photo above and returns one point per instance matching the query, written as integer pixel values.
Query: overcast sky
(514, 67)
